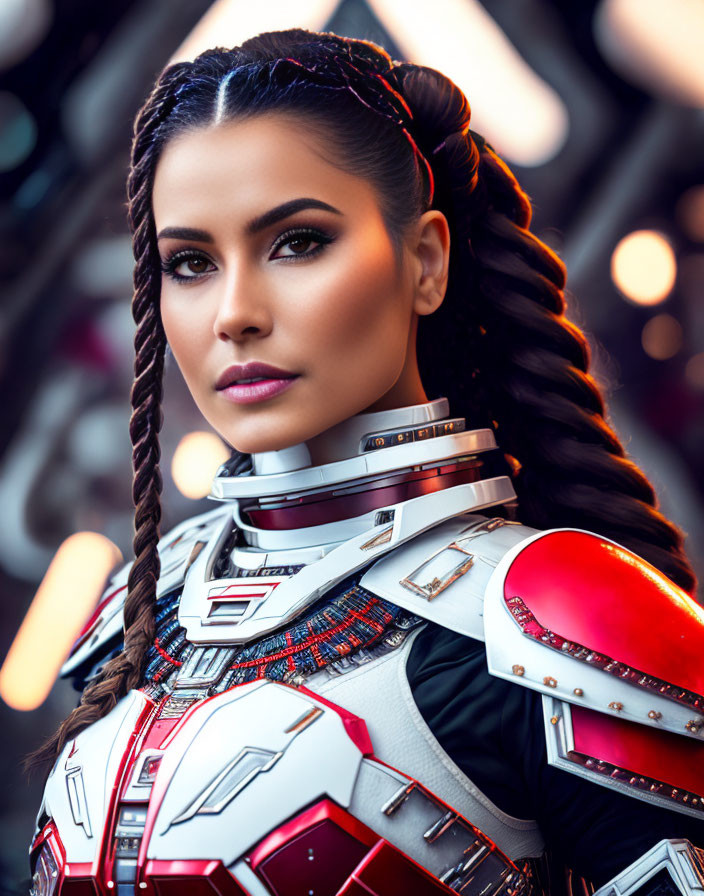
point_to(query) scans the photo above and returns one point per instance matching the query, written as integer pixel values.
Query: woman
(302, 702)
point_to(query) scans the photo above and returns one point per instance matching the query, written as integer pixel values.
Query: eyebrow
(273, 216)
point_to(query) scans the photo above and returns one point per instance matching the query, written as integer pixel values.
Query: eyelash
(180, 256)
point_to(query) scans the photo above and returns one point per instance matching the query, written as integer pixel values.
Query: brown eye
(186, 266)
(300, 245)
(197, 265)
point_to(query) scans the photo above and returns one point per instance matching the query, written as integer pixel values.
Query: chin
(262, 438)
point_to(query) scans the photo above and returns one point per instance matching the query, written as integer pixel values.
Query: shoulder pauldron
(615, 647)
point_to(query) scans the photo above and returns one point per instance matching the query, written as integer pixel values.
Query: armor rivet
(550, 681)
(578, 692)
(518, 670)
(693, 725)
(555, 720)
(655, 715)
(616, 706)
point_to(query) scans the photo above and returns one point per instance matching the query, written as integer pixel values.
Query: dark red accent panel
(319, 860)
(603, 596)
(324, 811)
(183, 877)
(331, 507)
(661, 755)
(387, 872)
(79, 887)
(328, 851)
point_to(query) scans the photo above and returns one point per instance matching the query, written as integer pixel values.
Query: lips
(242, 374)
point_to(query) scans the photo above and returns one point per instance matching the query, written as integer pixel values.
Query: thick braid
(529, 365)
(123, 672)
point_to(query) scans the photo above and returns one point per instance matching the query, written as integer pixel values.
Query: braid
(124, 671)
(530, 379)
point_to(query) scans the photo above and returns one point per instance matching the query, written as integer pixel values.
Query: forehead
(249, 165)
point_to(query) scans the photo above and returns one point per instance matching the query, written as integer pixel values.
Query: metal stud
(654, 715)
(554, 720)
(616, 706)
(550, 681)
(518, 670)
(693, 725)
(578, 692)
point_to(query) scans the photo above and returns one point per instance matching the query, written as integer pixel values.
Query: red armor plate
(658, 755)
(600, 595)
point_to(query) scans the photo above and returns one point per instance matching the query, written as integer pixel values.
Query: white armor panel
(379, 693)
(294, 594)
(77, 792)
(260, 744)
(441, 575)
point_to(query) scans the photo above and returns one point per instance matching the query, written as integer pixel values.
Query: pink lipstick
(253, 381)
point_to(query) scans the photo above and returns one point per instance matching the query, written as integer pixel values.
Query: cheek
(187, 335)
(361, 309)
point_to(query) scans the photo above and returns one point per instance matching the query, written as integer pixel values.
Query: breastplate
(269, 788)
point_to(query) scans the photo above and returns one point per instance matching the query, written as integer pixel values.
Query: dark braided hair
(500, 347)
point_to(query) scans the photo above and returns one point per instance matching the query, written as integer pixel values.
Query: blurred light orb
(662, 337)
(656, 44)
(66, 597)
(23, 25)
(18, 131)
(694, 371)
(643, 267)
(690, 213)
(195, 462)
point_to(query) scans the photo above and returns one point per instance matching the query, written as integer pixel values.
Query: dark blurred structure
(73, 75)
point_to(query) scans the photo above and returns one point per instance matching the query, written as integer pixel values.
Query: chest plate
(255, 790)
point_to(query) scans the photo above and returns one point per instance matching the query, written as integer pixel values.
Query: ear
(430, 245)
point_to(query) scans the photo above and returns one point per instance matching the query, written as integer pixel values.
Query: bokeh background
(598, 107)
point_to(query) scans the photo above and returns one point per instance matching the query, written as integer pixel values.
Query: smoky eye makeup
(302, 241)
(174, 260)
(294, 244)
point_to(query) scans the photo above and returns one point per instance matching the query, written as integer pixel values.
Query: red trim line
(165, 655)
(313, 640)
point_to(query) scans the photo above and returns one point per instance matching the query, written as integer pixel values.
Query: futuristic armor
(275, 746)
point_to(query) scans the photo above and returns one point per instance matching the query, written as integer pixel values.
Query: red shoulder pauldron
(617, 649)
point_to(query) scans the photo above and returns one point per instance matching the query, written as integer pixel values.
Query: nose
(242, 310)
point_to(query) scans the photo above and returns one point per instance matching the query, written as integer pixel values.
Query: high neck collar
(347, 439)
(372, 463)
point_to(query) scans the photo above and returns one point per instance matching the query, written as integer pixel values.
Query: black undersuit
(493, 730)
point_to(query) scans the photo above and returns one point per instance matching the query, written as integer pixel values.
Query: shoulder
(102, 634)
(442, 574)
(591, 600)
(615, 649)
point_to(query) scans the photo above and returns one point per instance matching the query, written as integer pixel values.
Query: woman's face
(282, 298)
